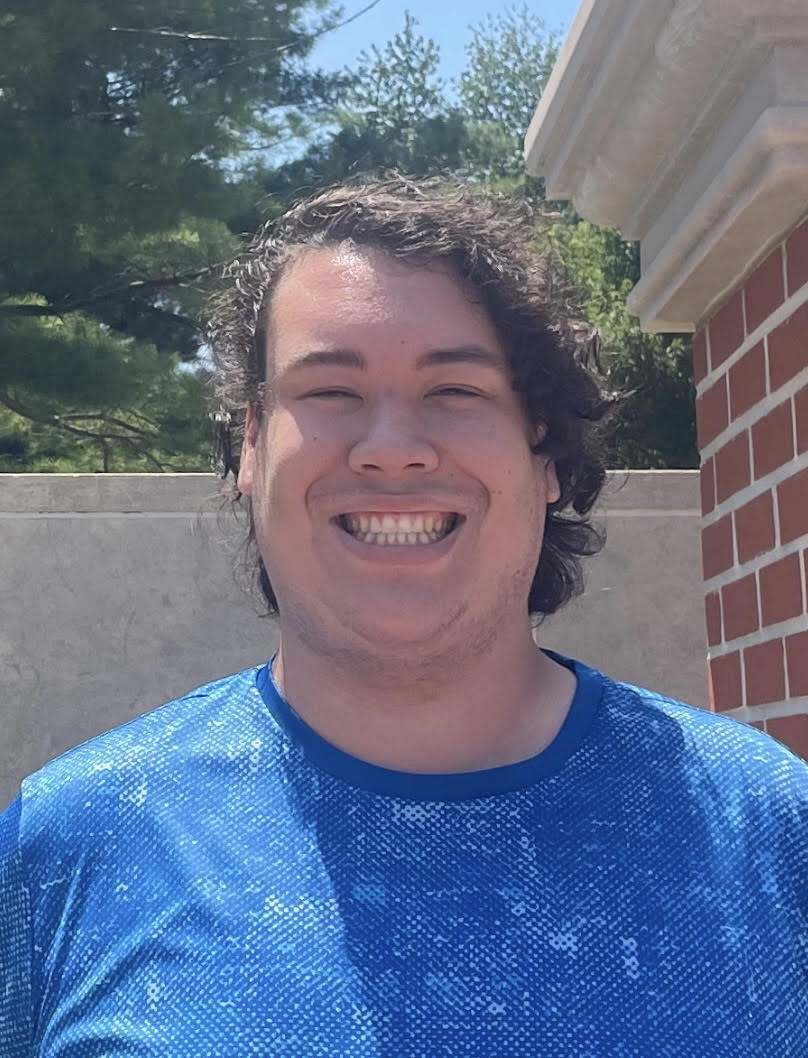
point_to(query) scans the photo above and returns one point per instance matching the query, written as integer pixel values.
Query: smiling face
(396, 500)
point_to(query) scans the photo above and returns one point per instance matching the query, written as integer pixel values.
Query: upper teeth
(398, 528)
(396, 523)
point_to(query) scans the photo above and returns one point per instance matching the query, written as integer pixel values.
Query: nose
(393, 443)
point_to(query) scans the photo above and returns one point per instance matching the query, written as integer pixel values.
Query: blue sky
(447, 22)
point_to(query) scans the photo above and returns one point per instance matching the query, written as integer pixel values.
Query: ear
(551, 487)
(545, 466)
(247, 464)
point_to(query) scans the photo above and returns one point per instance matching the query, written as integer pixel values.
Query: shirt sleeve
(15, 942)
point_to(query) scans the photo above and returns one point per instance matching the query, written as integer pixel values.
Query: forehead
(330, 295)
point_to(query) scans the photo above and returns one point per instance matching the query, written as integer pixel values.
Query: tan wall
(117, 593)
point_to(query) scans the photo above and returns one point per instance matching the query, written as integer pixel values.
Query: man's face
(395, 497)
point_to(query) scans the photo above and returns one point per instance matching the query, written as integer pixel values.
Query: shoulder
(699, 728)
(705, 750)
(120, 765)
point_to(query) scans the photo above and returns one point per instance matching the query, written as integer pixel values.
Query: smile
(406, 529)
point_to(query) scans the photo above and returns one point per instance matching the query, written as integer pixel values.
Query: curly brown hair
(489, 241)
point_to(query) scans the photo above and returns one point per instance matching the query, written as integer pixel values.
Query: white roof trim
(685, 124)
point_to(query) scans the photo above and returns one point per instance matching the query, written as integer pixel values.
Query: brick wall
(751, 368)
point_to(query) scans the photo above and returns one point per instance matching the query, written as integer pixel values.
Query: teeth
(398, 528)
(397, 523)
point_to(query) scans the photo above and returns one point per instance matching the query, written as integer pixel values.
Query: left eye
(334, 393)
(456, 391)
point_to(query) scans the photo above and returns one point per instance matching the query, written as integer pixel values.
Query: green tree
(393, 113)
(119, 126)
(508, 62)
(656, 425)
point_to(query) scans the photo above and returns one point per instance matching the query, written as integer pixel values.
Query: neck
(442, 713)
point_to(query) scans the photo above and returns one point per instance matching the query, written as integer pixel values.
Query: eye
(456, 391)
(331, 394)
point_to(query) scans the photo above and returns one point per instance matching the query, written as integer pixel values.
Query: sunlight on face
(395, 495)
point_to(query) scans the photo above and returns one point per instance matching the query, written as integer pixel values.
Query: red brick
(712, 412)
(707, 483)
(747, 381)
(792, 500)
(792, 731)
(739, 606)
(797, 661)
(759, 724)
(726, 330)
(764, 672)
(781, 590)
(801, 415)
(788, 347)
(797, 257)
(764, 290)
(712, 611)
(725, 681)
(773, 439)
(716, 547)
(754, 527)
(732, 472)
(700, 367)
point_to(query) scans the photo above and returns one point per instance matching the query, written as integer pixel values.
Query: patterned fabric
(214, 881)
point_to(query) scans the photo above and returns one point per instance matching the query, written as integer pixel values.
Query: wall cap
(45, 494)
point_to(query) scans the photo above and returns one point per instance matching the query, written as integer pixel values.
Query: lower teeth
(396, 538)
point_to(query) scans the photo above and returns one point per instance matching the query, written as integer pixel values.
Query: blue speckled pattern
(214, 881)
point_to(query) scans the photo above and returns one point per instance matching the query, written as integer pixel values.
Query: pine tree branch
(68, 424)
(190, 35)
(112, 293)
(176, 34)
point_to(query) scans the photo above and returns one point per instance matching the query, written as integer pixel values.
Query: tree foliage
(656, 425)
(393, 114)
(509, 60)
(118, 126)
(126, 131)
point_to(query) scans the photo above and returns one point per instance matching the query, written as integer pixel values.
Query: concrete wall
(117, 593)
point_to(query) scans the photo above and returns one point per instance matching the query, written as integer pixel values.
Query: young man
(412, 832)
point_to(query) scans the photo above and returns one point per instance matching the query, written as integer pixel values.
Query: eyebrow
(468, 354)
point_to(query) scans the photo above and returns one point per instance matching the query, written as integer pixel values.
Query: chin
(402, 615)
(402, 630)
(382, 619)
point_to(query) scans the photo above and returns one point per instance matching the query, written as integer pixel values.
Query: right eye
(331, 394)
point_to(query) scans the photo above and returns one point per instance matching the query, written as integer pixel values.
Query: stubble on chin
(428, 660)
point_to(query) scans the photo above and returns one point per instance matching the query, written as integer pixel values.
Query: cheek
(291, 461)
(491, 437)
(500, 451)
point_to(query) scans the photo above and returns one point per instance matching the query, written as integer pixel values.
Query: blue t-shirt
(213, 880)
